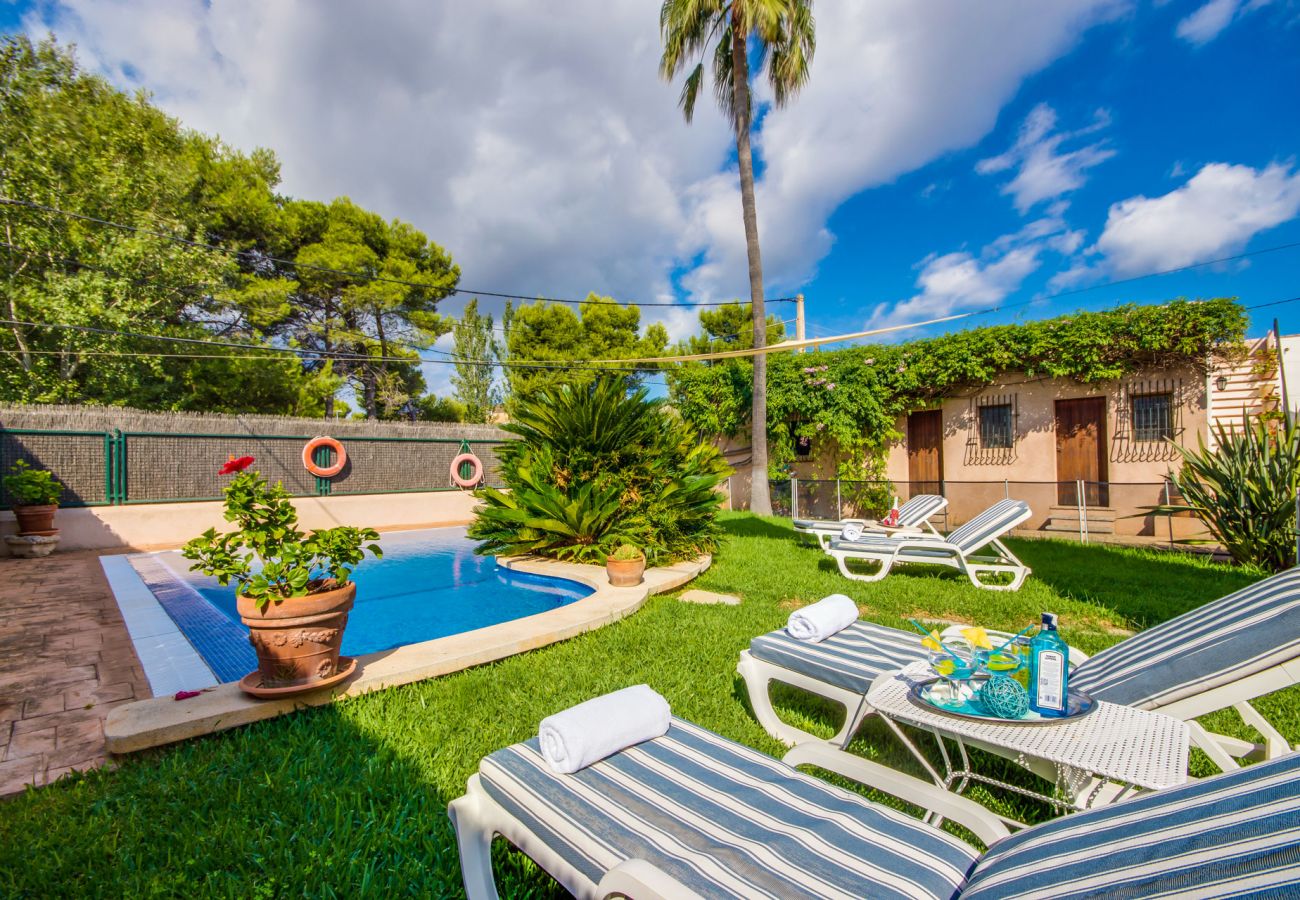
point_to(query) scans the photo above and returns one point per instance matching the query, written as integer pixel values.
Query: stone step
(1070, 525)
(1094, 513)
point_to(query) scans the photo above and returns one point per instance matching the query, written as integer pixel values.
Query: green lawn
(351, 799)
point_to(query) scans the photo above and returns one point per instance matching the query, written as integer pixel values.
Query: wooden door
(1081, 451)
(925, 452)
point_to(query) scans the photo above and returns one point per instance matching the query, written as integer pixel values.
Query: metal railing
(102, 468)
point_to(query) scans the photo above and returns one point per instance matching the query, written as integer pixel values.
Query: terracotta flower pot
(35, 519)
(625, 572)
(297, 640)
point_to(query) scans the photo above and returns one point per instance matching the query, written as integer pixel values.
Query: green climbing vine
(854, 397)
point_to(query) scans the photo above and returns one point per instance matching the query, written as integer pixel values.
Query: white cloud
(895, 85)
(1206, 23)
(1210, 20)
(541, 148)
(957, 281)
(1214, 214)
(962, 281)
(1043, 171)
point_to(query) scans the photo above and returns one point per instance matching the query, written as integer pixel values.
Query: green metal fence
(99, 468)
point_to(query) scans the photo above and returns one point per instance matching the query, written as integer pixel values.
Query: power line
(148, 354)
(302, 352)
(361, 276)
(1272, 303)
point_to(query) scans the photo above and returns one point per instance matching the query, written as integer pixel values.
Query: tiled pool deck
(65, 661)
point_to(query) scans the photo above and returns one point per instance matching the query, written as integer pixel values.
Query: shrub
(267, 557)
(31, 487)
(1245, 492)
(627, 553)
(595, 467)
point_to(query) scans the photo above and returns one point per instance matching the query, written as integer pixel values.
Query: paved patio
(65, 661)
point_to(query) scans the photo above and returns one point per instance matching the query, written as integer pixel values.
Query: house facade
(1088, 458)
(1092, 452)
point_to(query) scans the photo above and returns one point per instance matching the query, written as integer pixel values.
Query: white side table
(1101, 757)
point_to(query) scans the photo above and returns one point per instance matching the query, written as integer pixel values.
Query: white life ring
(476, 473)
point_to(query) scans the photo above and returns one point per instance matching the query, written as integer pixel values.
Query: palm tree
(783, 38)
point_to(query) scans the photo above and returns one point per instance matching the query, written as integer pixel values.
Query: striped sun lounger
(913, 516)
(1222, 654)
(693, 815)
(958, 549)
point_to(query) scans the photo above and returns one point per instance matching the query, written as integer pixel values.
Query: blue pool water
(429, 584)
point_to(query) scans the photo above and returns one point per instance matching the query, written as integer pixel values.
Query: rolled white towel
(818, 621)
(852, 532)
(589, 732)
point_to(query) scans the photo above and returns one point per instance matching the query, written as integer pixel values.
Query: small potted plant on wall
(34, 495)
(625, 566)
(293, 590)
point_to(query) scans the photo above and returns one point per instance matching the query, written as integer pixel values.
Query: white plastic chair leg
(759, 685)
(885, 565)
(474, 841)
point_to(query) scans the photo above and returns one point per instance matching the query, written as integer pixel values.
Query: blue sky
(946, 157)
(1170, 107)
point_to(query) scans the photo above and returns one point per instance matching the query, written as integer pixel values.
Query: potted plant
(293, 590)
(625, 566)
(34, 496)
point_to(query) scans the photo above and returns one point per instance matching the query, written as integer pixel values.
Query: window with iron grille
(996, 430)
(1153, 417)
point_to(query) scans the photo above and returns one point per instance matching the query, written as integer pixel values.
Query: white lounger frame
(478, 819)
(904, 549)
(825, 532)
(759, 674)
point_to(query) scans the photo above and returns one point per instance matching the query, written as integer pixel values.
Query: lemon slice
(945, 667)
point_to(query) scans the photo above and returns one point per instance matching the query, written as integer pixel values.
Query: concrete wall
(156, 526)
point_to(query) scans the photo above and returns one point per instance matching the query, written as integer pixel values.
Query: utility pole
(799, 321)
(1289, 419)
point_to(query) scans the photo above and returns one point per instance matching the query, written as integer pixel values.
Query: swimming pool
(429, 584)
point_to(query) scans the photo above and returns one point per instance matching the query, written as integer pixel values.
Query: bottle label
(1049, 690)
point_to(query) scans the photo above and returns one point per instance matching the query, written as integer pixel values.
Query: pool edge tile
(169, 661)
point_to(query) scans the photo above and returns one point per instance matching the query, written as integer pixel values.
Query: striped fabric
(994, 522)
(1220, 642)
(726, 821)
(912, 513)
(1234, 835)
(920, 508)
(850, 659)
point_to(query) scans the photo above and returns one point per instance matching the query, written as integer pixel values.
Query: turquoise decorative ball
(1004, 697)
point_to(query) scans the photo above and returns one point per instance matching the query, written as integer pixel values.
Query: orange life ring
(476, 475)
(309, 457)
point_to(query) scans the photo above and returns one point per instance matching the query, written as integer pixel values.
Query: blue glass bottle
(1048, 671)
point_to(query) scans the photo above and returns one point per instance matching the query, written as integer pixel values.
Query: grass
(351, 799)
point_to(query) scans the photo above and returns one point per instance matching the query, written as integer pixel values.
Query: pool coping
(163, 720)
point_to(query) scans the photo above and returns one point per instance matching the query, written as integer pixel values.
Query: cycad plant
(595, 467)
(1245, 491)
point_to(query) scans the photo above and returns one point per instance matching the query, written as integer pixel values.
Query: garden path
(65, 661)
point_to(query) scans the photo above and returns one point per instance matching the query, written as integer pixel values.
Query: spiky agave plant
(599, 466)
(1245, 491)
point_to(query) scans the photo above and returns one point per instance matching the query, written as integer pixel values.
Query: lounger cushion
(911, 514)
(1227, 639)
(920, 508)
(992, 523)
(1232, 835)
(850, 659)
(724, 820)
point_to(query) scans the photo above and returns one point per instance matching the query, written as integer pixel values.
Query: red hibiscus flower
(234, 465)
